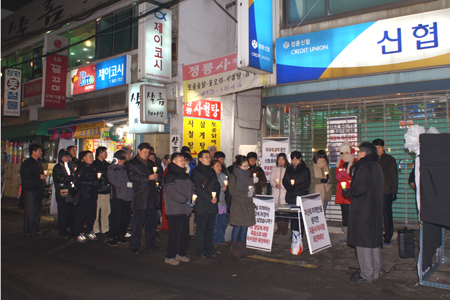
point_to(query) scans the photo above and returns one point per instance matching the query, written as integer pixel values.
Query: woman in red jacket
(345, 162)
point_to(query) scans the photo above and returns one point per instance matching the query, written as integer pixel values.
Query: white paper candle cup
(292, 181)
(225, 182)
(344, 185)
(155, 169)
(254, 174)
(194, 197)
(99, 175)
(213, 194)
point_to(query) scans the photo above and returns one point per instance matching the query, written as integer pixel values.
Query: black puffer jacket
(86, 181)
(302, 177)
(30, 172)
(61, 179)
(102, 167)
(178, 190)
(198, 177)
(145, 195)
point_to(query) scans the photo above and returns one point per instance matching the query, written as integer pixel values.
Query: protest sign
(270, 149)
(260, 235)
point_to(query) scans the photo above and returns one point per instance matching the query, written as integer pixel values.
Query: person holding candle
(206, 182)
(242, 214)
(145, 199)
(101, 223)
(178, 192)
(365, 222)
(87, 183)
(63, 180)
(296, 181)
(320, 177)
(278, 190)
(32, 177)
(343, 176)
(259, 177)
(221, 217)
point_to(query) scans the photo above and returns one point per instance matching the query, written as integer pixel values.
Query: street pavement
(49, 267)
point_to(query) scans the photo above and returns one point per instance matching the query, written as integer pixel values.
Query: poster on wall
(12, 92)
(270, 149)
(199, 134)
(408, 42)
(175, 143)
(260, 235)
(339, 130)
(217, 77)
(315, 223)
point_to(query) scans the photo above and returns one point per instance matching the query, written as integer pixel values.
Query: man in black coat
(32, 176)
(390, 174)
(104, 192)
(206, 183)
(259, 177)
(365, 226)
(145, 199)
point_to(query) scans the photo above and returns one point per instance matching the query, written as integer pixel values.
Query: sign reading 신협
(217, 77)
(408, 42)
(153, 105)
(205, 109)
(155, 52)
(54, 82)
(12, 92)
(260, 235)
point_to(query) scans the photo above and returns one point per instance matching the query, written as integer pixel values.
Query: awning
(32, 129)
(83, 121)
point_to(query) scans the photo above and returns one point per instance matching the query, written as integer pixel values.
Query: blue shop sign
(112, 72)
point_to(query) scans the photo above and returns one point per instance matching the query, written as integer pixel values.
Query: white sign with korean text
(315, 223)
(153, 105)
(155, 46)
(175, 143)
(134, 112)
(271, 148)
(339, 130)
(13, 92)
(260, 235)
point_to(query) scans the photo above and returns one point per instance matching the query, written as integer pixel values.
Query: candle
(254, 174)
(249, 188)
(340, 170)
(326, 173)
(278, 181)
(344, 185)
(157, 183)
(74, 169)
(226, 176)
(225, 182)
(45, 172)
(194, 197)
(213, 194)
(155, 169)
(99, 175)
(292, 181)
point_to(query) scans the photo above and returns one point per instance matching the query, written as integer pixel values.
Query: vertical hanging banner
(153, 105)
(202, 125)
(270, 149)
(260, 235)
(315, 223)
(175, 143)
(217, 77)
(13, 92)
(54, 82)
(255, 35)
(155, 48)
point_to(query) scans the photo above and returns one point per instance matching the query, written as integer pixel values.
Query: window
(29, 60)
(323, 10)
(117, 33)
(84, 52)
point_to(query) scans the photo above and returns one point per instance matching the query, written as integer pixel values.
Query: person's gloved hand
(251, 191)
(394, 196)
(324, 180)
(255, 180)
(345, 193)
(328, 177)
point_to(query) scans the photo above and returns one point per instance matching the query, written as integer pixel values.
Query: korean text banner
(198, 134)
(12, 92)
(54, 82)
(272, 146)
(90, 131)
(206, 109)
(260, 235)
(401, 43)
(217, 77)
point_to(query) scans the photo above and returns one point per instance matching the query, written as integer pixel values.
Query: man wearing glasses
(208, 189)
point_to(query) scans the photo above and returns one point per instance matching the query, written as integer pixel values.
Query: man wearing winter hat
(122, 195)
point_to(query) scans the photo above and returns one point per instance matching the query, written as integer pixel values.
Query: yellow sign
(90, 131)
(199, 134)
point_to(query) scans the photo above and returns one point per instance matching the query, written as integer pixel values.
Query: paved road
(49, 267)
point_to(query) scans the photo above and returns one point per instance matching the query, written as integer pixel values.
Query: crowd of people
(95, 197)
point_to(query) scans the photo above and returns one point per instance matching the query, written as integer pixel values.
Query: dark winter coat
(390, 173)
(86, 181)
(102, 167)
(178, 190)
(242, 211)
(302, 177)
(198, 177)
(145, 195)
(262, 182)
(118, 178)
(61, 179)
(30, 172)
(365, 221)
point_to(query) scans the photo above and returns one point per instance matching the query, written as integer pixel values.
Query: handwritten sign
(315, 223)
(271, 148)
(260, 235)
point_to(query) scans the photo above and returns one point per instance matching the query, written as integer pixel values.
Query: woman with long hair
(278, 190)
(320, 177)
